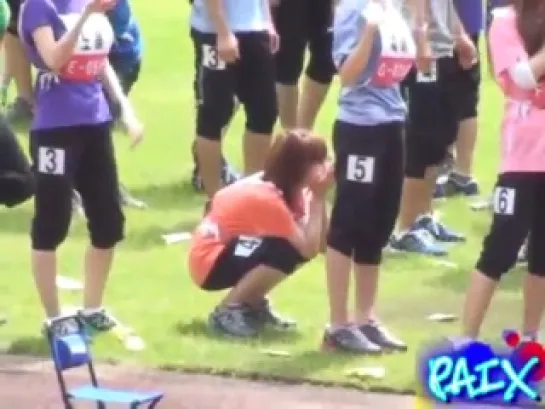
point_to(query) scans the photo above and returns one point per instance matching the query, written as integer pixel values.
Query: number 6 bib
(398, 51)
(92, 48)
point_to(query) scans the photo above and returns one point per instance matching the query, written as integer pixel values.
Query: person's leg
(96, 180)
(215, 89)
(16, 180)
(321, 68)
(251, 268)
(431, 129)
(534, 284)
(291, 24)
(373, 233)
(18, 67)
(513, 210)
(357, 150)
(55, 156)
(257, 93)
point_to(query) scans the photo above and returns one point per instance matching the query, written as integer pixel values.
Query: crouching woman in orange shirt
(260, 230)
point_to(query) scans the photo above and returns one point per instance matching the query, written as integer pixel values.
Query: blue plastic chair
(72, 351)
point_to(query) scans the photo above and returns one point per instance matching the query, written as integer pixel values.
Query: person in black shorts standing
(234, 41)
(459, 179)
(302, 23)
(435, 101)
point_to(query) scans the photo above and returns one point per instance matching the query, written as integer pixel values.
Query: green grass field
(150, 288)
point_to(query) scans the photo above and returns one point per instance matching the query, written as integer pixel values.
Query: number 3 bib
(398, 50)
(92, 48)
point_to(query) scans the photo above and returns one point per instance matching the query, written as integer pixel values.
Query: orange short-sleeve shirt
(247, 208)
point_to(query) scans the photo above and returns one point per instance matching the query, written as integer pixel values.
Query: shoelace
(424, 236)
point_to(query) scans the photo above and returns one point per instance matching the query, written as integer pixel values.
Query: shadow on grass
(33, 346)
(457, 279)
(199, 329)
(171, 196)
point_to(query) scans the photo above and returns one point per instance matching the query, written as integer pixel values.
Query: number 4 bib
(92, 48)
(398, 50)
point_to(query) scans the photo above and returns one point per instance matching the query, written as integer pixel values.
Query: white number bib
(398, 51)
(504, 201)
(246, 246)
(360, 169)
(92, 49)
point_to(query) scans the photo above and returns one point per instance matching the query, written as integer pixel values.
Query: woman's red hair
(290, 160)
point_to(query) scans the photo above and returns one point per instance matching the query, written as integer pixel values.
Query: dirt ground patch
(31, 383)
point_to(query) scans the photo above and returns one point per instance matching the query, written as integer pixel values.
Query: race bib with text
(398, 50)
(92, 48)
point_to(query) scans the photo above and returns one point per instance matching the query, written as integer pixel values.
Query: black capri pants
(16, 181)
(82, 158)
(15, 8)
(435, 104)
(369, 177)
(251, 79)
(471, 82)
(519, 207)
(300, 23)
(242, 254)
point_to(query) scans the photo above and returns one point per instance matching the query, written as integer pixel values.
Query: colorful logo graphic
(471, 371)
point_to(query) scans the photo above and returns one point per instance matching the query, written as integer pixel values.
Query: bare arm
(55, 53)
(113, 88)
(309, 238)
(215, 9)
(358, 59)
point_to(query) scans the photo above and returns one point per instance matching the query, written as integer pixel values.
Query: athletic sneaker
(130, 201)
(456, 184)
(379, 334)
(228, 176)
(417, 240)
(349, 339)
(264, 314)
(19, 111)
(61, 326)
(97, 321)
(234, 320)
(438, 230)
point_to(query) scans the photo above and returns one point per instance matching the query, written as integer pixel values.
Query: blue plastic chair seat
(106, 395)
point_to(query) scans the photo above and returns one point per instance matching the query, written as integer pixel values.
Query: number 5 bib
(92, 48)
(398, 51)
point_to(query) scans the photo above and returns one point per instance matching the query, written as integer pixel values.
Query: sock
(529, 336)
(91, 311)
(331, 328)
(460, 178)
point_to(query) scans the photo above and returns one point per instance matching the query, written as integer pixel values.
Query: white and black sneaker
(349, 339)
(235, 320)
(379, 334)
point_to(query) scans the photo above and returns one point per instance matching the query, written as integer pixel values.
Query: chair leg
(154, 403)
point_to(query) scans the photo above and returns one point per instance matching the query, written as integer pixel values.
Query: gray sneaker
(380, 335)
(234, 320)
(99, 321)
(129, 200)
(19, 110)
(61, 326)
(349, 339)
(264, 314)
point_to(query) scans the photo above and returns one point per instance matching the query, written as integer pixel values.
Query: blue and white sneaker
(438, 230)
(454, 185)
(417, 240)
(228, 176)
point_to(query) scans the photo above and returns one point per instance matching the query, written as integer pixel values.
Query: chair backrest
(71, 350)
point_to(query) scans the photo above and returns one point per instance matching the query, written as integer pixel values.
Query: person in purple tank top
(68, 41)
(458, 167)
